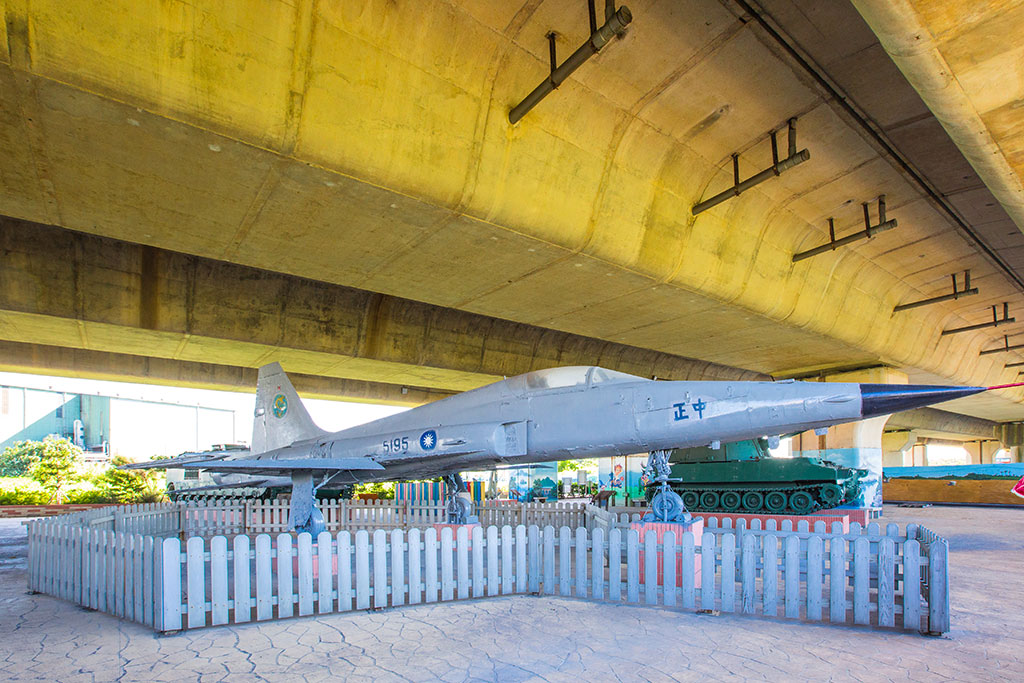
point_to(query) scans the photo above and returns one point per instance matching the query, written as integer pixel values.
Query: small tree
(57, 466)
(16, 460)
(573, 465)
(129, 486)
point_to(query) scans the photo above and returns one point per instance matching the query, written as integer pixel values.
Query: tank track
(765, 502)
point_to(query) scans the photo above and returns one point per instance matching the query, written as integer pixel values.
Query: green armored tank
(744, 477)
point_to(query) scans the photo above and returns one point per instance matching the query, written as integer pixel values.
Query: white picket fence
(863, 578)
(248, 516)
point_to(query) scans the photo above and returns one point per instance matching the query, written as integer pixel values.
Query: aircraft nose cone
(883, 399)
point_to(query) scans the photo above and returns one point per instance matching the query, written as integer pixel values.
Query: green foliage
(23, 497)
(380, 489)
(16, 460)
(129, 486)
(573, 465)
(81, 496)
(57, 466)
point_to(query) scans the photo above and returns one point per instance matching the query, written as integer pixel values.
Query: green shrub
(23, 497)
(83, 496)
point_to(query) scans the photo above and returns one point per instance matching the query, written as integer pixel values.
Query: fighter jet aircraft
(562, 413)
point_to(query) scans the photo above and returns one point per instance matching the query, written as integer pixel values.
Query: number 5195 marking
(397, 445)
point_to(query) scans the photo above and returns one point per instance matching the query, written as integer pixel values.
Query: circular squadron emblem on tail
(280, 405)
(428, 440)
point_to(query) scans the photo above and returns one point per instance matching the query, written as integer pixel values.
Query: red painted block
(696, 527)
(455, 532)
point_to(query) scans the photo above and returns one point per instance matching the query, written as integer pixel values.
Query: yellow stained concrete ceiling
(367, 144)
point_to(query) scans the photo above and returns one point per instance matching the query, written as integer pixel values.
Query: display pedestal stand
(694, 526)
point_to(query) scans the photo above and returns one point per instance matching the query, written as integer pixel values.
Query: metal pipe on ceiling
(995, 322)
(777, 168)
(956, 294)
(1006, 347)
(616, 21)
(868, 232)
(843, 102)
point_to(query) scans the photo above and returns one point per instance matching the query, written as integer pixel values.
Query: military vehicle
(745, 477)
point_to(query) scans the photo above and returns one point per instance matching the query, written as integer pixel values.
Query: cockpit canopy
(578, 376)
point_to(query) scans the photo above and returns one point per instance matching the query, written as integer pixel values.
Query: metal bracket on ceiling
(868, 232)
(996, 322)
(1004, 348)
(615, 22)
(793, 158)
(956, 294)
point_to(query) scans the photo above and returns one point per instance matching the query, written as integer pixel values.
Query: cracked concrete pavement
(540, 639)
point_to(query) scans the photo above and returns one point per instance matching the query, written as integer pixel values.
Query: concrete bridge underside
(366, 145)
(146, 313)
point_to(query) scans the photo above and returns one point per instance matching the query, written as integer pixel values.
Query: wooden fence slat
(462, 562)
(792, 577)
(264, 578)
(128, 547)
(669, 583)
(345, 555)
(549, 560)
(597, 564)
(507, 577)
(938, 586)
(240, 567)
(285, 587)
(837, 580)
(580, 589)
(534, 550)
(447, 573)
(707, 571)
(522, 569)
(650, 541)
(477, 549)
(815, 570)
(615, 565)
(729, 573)
(138, 563)
(196, 585)
(770, 575)
(493, 577)
(747, 574)
(861, 563)
(362, 569)
(380, 568)
(564, 561)
(688, 582)
(912, 585)
(886, 582)
(218, 580)
(398, 586)
(325, 572)
(149, 574)
(632, 566)
(304, 554)
(170, 589)
(430, 575)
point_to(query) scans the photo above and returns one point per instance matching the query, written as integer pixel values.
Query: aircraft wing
(286, 465)
(180, 461)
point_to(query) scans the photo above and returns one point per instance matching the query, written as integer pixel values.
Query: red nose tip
(1006, 386)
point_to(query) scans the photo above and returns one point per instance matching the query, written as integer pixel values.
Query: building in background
(105, 426)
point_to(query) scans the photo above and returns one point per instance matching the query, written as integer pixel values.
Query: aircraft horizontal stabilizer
(267, 465)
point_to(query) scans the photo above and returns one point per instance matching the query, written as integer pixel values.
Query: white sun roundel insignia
(280, 405)
(428, 440)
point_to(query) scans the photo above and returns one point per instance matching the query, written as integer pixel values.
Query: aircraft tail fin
(281, 419)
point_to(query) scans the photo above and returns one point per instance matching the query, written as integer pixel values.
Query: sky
(135, 424)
